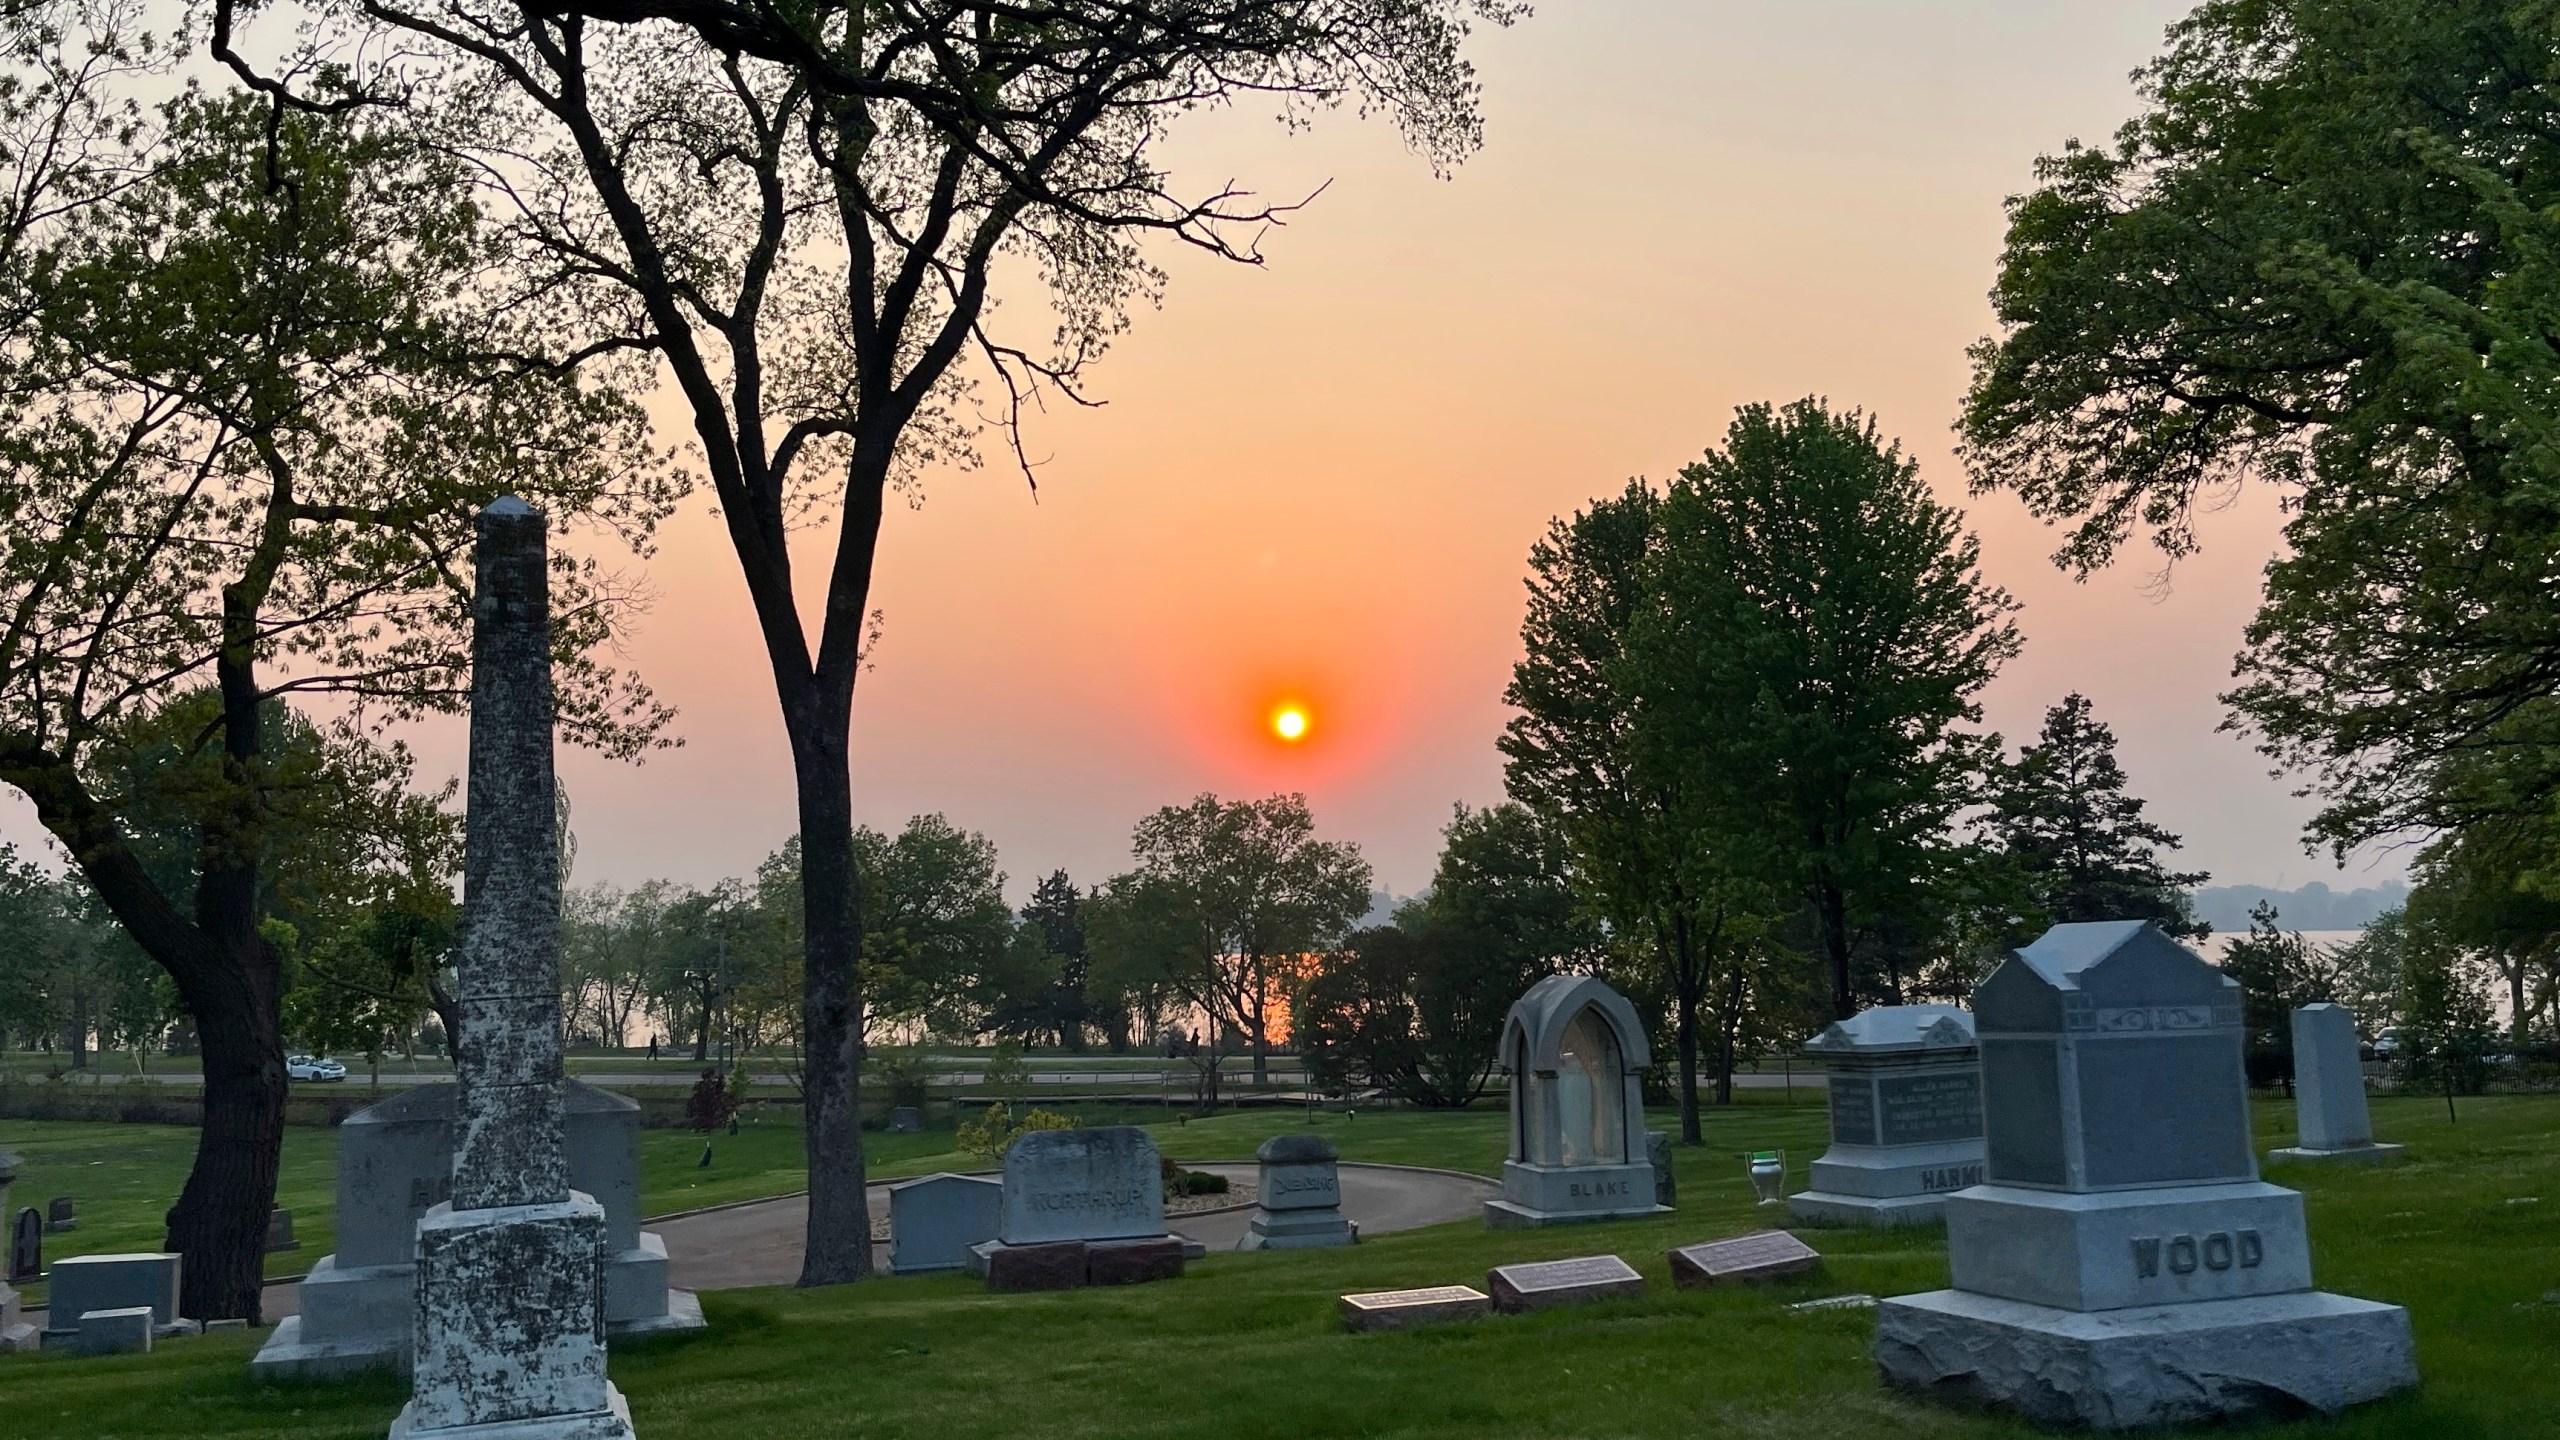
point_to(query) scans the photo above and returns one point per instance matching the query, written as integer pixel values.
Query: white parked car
(305, 1067)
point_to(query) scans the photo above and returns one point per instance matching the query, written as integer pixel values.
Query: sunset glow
(1290, 724)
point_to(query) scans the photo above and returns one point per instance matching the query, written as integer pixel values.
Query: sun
(1290, 723)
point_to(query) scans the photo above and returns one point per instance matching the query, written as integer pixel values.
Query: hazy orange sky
(1320, 478)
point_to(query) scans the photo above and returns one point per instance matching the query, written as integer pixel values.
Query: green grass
(1247, 1346)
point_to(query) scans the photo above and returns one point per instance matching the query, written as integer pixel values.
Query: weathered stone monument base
(1297, 1230)
(2274, 1356)
(1541, 1195)
(511, 1326)
(2376, 1154)
(1905, 1185)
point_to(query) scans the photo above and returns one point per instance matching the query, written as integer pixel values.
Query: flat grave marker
(1396, 1309)
(1545, 1284)
(1761, 1255)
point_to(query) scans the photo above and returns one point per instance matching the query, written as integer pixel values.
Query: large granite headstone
(82, 1283)
(1099, 1189)
(2123, 1265)
(1906, 1117)
(25, 1260)
(1300, 1202)
(1575, 1052)
(934, 1221)
(510, 1270)
(2331, 1118)
(395, 1163)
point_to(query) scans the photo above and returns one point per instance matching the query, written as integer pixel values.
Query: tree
(2323, 257)
(2279, 972)
(2438, 1006)
(2062, 815)
(2487, 888)
(1135, 942)
(1054, 917)
(1416, 1007)
(252, 403)
(1822, 634)
(610, 944)
(801, 214)
(1252, 890)
(1576, 756)
(937, 929)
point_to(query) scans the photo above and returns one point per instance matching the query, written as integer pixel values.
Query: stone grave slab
(934, 1221)
(906, 1120)
(2122, 1264)
(1105, 1184)
(2328, 1089)
(280, 1231)
(1396, 1309)
(1545, 1284)
(83, 1283)
(61, 1214)
(1744, 1259)
(1300, 1205)
(1050, 1265)
(1132, 1262)
(26, 1245)
(125, 1330)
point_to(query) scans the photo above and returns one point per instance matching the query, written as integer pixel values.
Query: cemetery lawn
(1248, 1347)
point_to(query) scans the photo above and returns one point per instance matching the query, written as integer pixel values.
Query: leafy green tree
(2323, 257)
(253, 388)
(2279, 971)
(1135, 943)
(1248, 890)
(1055, 921)
(1416, 1007)
(937, 930)
(1821, 637)
(2439, 1007)
(2489, 887)
(802, 214)
(2062, 815)
(1643, 857)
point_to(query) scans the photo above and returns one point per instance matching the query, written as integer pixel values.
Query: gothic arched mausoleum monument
(1575, 1052)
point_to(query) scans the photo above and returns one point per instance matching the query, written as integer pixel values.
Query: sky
(1318, 480)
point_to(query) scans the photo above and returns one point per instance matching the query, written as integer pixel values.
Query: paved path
(759, 1243)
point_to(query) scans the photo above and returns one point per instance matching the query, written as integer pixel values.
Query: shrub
(995, 1130)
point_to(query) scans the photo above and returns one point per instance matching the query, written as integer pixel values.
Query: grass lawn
(1247, 1346)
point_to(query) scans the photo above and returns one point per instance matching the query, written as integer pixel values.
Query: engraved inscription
(2216, 1251)
(1600, 1189)
(1853, 1110)
(1305, 1185)
(1566, 1274)
(1436, 1295)
(1087, 1202)
(1930, 1109)
(1950, 1177)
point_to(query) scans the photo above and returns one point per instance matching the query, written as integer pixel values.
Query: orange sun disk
(1290, 723)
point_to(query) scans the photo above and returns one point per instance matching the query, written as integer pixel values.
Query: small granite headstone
(1657, 1153)
(2328, 1092)
(26, 1246)
(2122, 1265)
(1300, 1201)
(906, 1120)
(1761, 1255)
(280, 1231)
(934, 1221)
(15, 1332)
(1396, 1309)
(60, 1215)
(125, 1330)
(1544, 1284)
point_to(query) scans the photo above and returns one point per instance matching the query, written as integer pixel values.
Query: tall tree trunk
(1728, 1029)
(839, 1237)
(79, 1027)
(1831, 913)
(1686, 990)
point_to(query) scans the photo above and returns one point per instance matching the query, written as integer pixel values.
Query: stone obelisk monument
(510, 1312)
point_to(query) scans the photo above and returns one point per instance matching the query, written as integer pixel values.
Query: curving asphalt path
(758, 1243)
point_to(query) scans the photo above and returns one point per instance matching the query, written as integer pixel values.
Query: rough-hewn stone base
(611, 1423)
(1509, 1215)
(2309, 1353)
(1824, 1207)
(2351, 1155)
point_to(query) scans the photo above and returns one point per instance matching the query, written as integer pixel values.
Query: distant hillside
(2313, 907)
